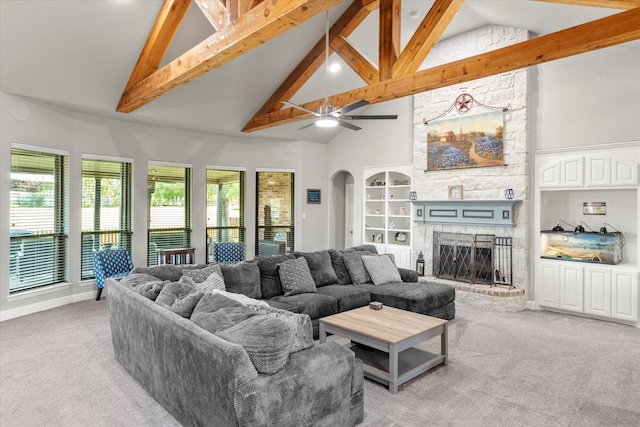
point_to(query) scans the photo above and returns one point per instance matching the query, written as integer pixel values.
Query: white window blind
(38, 253)
(225, 207)
(169, 204)
(107, 211)
(275, 197)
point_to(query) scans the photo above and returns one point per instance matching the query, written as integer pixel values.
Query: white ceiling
(79, 54)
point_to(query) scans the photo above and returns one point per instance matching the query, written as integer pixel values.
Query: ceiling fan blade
(299, 107)
(349, 107)
(348, 125)
(371, 117)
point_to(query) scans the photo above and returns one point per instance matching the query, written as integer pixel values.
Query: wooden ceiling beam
(606, 4)
(169, 18)
(354, 59)
(388, 37)
(601, 33)
(426, 36)
(261, 24)
(356, 12)
(215, 12)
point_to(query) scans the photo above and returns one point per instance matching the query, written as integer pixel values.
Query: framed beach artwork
(465, 142)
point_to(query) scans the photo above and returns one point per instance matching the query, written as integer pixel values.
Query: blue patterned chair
(111, 263)
(228, 252)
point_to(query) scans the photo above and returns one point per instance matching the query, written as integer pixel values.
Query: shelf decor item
(377, 238)
(420, 264)
(455, 192)
(400, 237)
(413, 195)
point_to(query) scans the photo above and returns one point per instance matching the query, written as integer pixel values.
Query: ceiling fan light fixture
(327, 122)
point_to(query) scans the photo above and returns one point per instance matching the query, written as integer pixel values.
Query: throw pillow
(242, 299)
(381, 269)
(320, 266)
(355, 267)
(145, 284)
(213, 282)
(296, 277)
(179, 297)
(242, 278)
(270, 284)
(266, 340)
(200, 275)
(216, 312)
(300, 324)
(337, 261)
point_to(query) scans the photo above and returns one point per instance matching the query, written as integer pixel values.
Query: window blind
(275, 197)
(38, 254)
(225, 207)
(107, 212)
(169, 208)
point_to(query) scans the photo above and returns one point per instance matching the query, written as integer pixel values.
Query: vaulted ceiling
(223, 66)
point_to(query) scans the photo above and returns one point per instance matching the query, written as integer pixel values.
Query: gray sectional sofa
(243, 353)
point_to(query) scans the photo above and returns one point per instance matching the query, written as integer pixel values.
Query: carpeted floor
(531, 368)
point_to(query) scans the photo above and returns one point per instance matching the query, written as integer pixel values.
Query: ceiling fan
(330, 116)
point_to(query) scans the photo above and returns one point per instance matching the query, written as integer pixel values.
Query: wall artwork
(465, 142)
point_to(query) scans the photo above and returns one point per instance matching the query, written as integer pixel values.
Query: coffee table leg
(323, 334)
(393, 369)
(444, 343)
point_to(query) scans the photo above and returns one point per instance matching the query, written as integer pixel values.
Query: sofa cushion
(216, 312)
(321, 267)
(199, 275)
(299, 323)
(381, 269)
(179, 297)
(266, 339)
(243, 278)
(295, 277)
(145, 284)
(281, 305)
(314, 304)
(348, 297)
(270, 284)
(421, 297)
(337, 261)
(356, 268)
(167, 271)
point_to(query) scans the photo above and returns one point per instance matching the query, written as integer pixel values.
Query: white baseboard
(46, 305)
(530, 305)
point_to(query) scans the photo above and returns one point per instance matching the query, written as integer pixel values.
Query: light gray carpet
(523, 369)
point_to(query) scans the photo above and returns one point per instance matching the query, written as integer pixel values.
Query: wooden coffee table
(387, 341)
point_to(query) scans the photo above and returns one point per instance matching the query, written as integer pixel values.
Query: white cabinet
(597, 291)
(549, 284)
(605, 291)
(624, 296)
(387, 212)
(571, 287)
(593, 170)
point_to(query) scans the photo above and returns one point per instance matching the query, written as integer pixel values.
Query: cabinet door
(571, 287)
(549, 284)
(598, 173)
(597, 291)
(624, 173)
(402, 255)
(550, 175)
(572, 172)
(625, 295)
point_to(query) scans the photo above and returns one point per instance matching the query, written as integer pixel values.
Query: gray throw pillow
(266, 340)
(356, 268)
(270, 284)
(337, 261)
(166, 271)
(320, 266)
(299, 323)
(381, 269)
(179, 297)
(200, 275)
(296, 277)
(145, 284)
(242, 278)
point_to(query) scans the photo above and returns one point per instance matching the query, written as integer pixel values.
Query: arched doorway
(341, 215)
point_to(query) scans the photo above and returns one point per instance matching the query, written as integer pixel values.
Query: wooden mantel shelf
(498, 213)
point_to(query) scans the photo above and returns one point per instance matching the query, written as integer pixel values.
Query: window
(38, 218)
(169, 204)
(106, 209)
(225, 208)
(274, 202)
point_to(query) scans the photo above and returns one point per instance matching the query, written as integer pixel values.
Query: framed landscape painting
(465, 142)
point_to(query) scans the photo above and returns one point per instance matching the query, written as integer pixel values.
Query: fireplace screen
(474, 258)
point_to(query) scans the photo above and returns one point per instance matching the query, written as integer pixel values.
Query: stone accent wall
(484, 183)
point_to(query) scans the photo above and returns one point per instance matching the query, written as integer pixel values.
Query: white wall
(56, 127)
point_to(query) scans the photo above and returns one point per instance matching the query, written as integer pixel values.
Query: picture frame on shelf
(377, 238)
(400, 237)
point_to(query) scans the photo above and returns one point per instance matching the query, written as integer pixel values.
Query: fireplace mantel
(499, 213)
